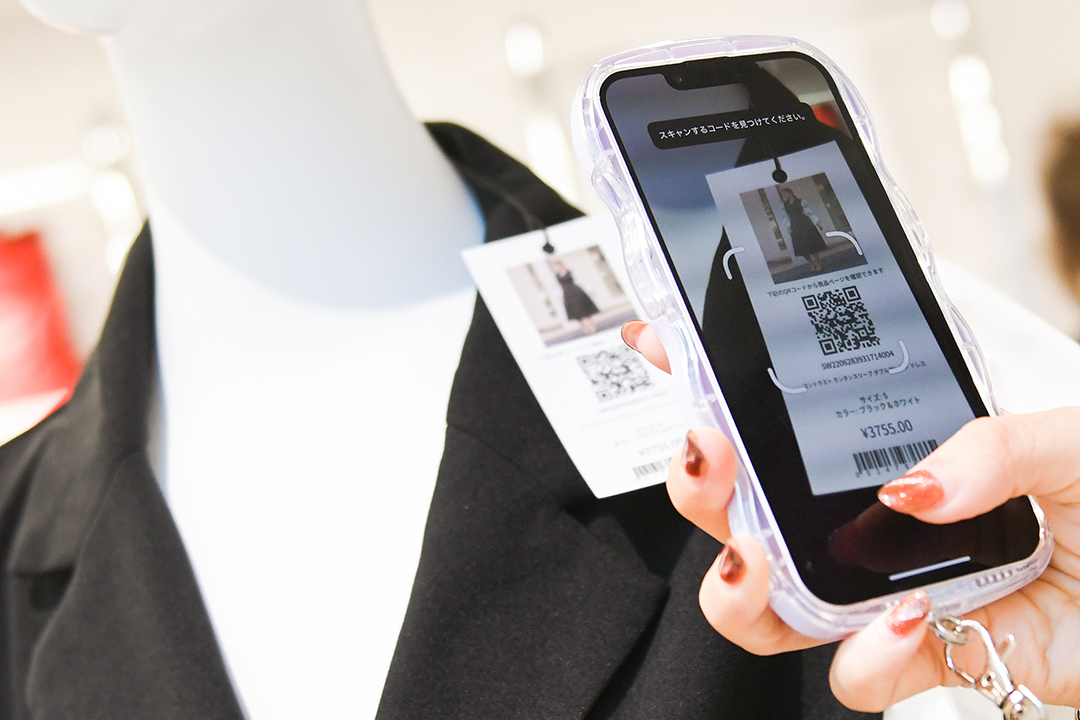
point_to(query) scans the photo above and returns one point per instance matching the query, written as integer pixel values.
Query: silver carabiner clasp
(995, 681)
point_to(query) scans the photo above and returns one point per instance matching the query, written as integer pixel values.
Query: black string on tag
(779, 175)
(532, 221)
(548, 247)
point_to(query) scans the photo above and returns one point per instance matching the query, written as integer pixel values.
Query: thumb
(640, 336)
(888, 660)
(989, 461)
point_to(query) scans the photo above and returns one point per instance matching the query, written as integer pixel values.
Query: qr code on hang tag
(840, 320)
(616, 372)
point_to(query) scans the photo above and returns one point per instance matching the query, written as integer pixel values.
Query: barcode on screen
(892, 458)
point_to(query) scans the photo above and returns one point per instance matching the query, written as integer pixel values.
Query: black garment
(533, 599)
(805, 238)
(578, 303)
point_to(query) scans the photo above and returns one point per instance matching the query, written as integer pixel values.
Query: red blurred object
(36, 353)
(828, 115)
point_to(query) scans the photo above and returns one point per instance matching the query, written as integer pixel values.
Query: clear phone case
(703, 403)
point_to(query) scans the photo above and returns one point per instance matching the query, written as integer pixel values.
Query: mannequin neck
(294, 440)
(275, 135)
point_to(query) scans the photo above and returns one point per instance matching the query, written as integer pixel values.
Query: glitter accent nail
(913, 492)
(908, 613)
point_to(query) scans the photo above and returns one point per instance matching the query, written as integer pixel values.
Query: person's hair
(1061, 177)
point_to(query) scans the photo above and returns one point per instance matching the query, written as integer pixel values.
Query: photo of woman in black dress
(579, 306)
(805, 229)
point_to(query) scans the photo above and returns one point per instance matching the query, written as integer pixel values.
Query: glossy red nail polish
(911, 493)
(908, 613)
(631, 331)
(693, 461)
(731, 565)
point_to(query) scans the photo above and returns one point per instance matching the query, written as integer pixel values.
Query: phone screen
(822, 332)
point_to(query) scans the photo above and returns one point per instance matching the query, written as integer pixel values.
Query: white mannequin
(305, 229)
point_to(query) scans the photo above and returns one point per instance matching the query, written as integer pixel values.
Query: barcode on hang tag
(651, 468)
(892, 458)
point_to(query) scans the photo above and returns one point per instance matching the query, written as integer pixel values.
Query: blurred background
(963, 93)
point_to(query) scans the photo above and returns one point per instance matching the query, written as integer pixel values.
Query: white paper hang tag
(561, 315)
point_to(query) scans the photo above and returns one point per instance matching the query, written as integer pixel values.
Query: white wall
(448, 55)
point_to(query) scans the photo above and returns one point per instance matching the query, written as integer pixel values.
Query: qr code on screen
(840, 320)
(615, 372)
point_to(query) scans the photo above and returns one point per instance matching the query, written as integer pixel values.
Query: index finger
(991, 460)
(640, 336)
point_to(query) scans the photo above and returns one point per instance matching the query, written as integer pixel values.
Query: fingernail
(911, 493)
(731, 565)
(908, 613)
(693, 461)
(631, 331)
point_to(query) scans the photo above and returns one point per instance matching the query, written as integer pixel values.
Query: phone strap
(995, 683)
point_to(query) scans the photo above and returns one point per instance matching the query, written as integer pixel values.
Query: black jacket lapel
(518, 611)
(522, 607)
(103, 614)
(130, 638)
(76, 449)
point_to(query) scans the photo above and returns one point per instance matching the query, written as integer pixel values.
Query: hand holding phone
(896, 656)
(798, 305)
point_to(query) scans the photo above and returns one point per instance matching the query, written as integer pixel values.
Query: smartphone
(796, 296)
